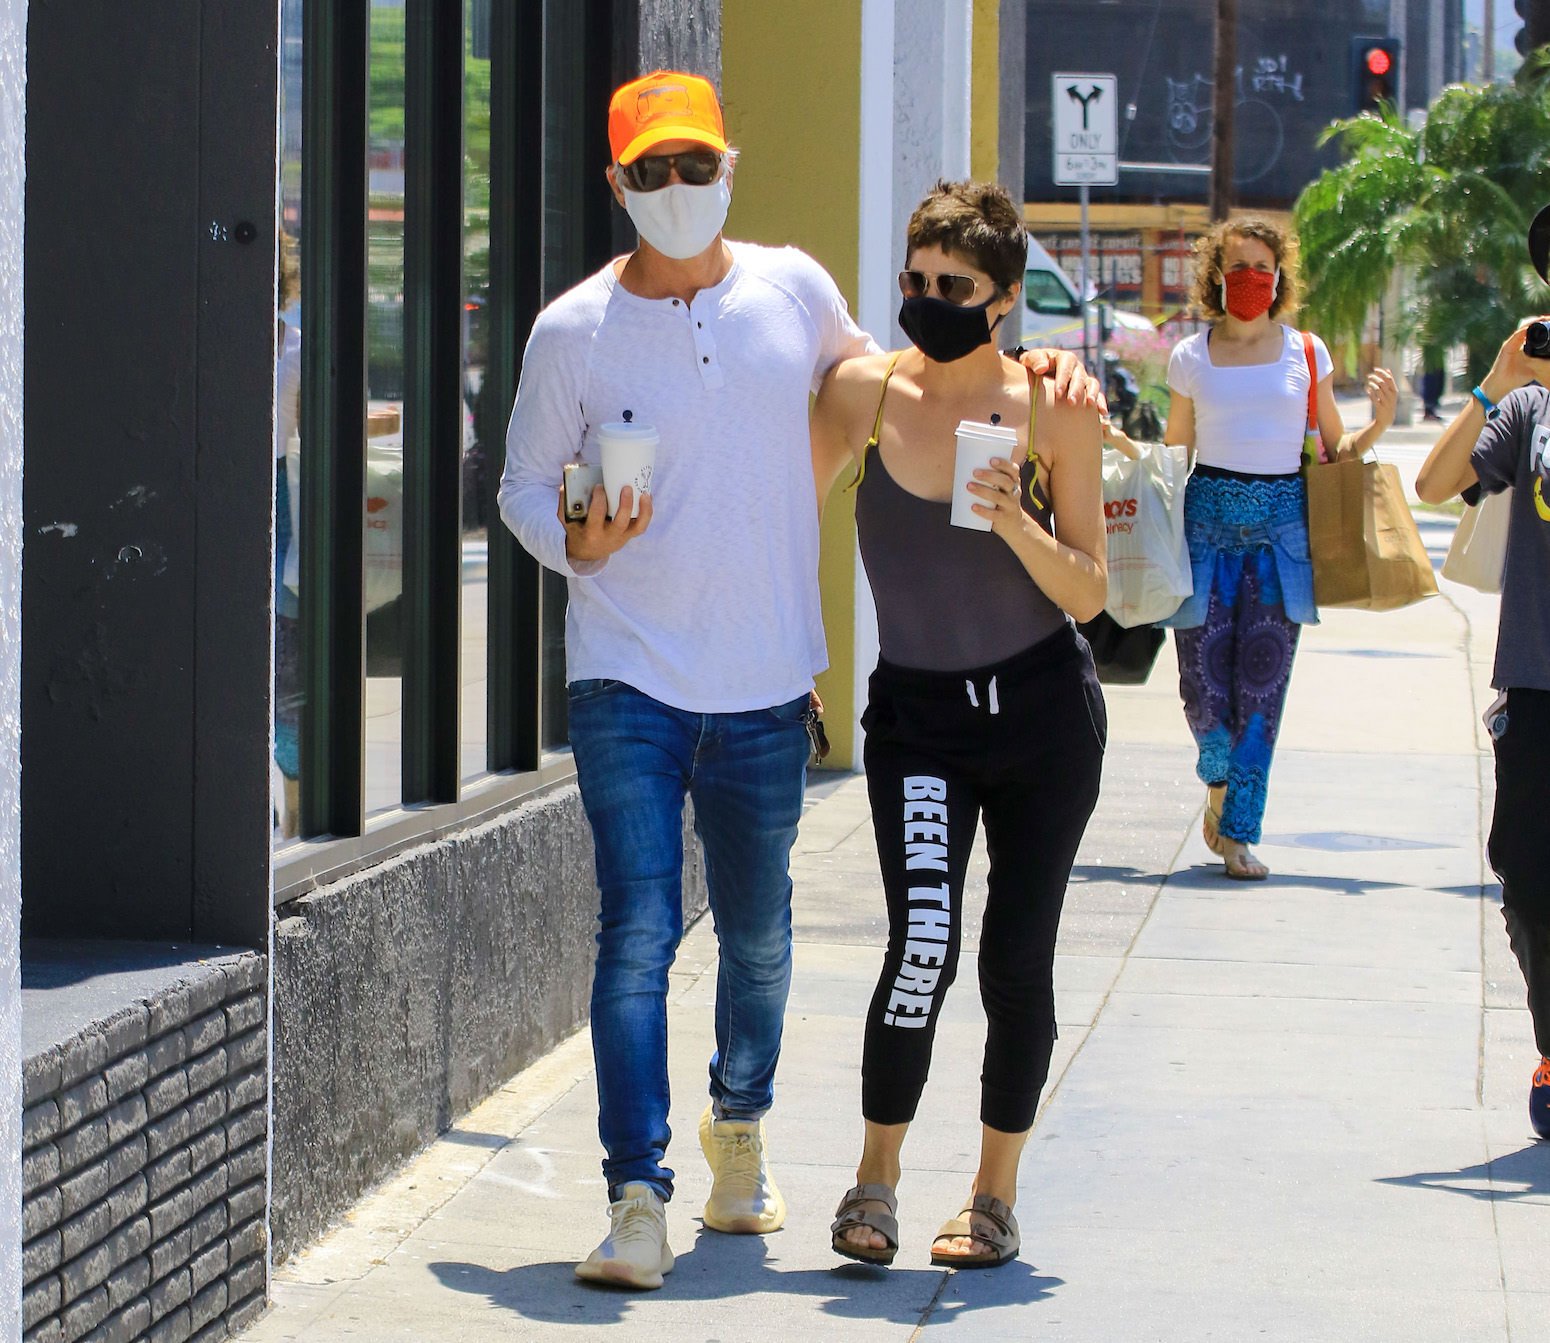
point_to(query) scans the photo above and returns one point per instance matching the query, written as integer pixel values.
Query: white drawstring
(974, 699)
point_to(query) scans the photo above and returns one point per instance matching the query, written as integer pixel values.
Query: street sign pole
(1085, 119)
(1087, 252)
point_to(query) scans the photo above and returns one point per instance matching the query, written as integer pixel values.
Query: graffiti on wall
(1261, 136)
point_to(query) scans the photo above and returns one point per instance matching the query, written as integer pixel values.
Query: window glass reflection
(564, 263)
(285, 771)
(483, 425)
(384, 446)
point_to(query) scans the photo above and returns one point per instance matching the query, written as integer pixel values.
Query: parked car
(1052, 312)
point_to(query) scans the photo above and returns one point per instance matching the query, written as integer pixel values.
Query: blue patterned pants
(1233, 674)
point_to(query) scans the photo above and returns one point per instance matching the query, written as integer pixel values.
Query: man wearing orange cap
(693, 633)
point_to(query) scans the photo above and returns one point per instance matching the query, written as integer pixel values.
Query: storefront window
(384, 447)
(285, 771)
(416, 586)
(484, 424)
(566, 190)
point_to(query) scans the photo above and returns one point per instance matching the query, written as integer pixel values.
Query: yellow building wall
(791, 94)
(985, 107)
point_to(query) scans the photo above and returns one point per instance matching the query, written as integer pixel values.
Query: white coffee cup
(977, 444)
(629, 455)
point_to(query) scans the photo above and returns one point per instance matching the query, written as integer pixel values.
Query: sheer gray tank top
(948, 599)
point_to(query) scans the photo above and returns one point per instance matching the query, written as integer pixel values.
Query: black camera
(1536, 340)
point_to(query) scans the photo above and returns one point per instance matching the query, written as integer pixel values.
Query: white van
(1052, 314)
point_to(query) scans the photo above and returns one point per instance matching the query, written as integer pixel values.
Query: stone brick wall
(408, 993)
(144, 1167)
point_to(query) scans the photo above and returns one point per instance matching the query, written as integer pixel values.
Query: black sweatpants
(1020, 743)
(1518, 848)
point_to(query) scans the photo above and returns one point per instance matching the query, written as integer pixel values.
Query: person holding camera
(984, 703)
(1501, 440)
(693, 633)
(1239, 394)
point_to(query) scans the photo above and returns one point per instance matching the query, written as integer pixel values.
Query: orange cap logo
(665, 105)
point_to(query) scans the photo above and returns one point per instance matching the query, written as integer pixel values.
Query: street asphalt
(1288, 1111)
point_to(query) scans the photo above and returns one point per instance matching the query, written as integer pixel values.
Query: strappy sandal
(1001, 1235)
(853, 1213)
(1211, 825)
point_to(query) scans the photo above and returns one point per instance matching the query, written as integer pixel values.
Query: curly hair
(974, 220)
(1205, 292)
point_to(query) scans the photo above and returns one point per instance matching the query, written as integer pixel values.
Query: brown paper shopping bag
(1367, 552)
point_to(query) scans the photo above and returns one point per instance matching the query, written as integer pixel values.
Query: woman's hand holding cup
(1001, 490)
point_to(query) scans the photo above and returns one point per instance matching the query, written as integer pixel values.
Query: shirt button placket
(705, 349)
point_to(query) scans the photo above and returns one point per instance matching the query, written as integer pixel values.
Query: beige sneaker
(743, 1197)
(634, 1253)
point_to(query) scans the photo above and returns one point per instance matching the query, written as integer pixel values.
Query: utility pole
(1488, 44)
(1225, 103)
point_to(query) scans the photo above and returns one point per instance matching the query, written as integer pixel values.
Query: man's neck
(646, 273)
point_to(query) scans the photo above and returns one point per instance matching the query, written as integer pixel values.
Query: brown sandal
(1211, 824)
(997, 1229)
(853, 1213)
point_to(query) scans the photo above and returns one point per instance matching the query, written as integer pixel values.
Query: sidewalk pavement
(1294, 1111)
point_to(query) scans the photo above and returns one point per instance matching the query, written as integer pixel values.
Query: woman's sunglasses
(956, 289)
(650, 172)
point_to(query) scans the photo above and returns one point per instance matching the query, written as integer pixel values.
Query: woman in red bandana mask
(1240, 404)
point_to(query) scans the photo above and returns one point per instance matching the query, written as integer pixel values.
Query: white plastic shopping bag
(1143, 509)
(1479, 549)
(383, 543)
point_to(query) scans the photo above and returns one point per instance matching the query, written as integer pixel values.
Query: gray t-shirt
(1514, 450)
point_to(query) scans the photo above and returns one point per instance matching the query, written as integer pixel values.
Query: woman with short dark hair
(984, 703)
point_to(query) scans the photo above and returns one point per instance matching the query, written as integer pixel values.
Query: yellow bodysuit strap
(1035, 493)
(877, 422)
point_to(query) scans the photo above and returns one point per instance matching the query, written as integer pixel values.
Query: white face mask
(680, 221)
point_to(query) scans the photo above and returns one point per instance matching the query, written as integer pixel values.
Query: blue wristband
(1492, 410)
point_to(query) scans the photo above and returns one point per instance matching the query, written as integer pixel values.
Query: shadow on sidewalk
(1208, 877)
(726, 1268)
(1518, 1175)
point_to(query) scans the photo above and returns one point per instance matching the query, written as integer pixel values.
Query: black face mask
(943, 331)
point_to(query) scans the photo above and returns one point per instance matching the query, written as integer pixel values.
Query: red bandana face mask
(1247, 294)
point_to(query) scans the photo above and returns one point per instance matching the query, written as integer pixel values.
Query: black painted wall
(149, 464)
(1294, 57)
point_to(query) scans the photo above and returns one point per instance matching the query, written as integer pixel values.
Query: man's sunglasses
(650, 172)
(957, 289)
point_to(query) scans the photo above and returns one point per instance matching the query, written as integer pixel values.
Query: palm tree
(1451, 201)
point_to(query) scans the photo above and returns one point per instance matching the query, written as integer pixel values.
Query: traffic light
(1374, 73)
(1535, 31)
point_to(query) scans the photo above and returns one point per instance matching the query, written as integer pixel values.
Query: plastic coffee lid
(620, 431)
(996, 433)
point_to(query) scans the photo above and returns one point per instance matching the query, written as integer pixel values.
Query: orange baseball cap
(665, 105)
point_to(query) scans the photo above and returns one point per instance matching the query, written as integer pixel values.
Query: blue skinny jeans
(636, 761)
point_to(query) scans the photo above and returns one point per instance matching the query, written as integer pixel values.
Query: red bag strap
(1313, 391)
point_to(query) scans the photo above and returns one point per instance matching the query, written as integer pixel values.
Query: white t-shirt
(714, 609)
(1249, 419)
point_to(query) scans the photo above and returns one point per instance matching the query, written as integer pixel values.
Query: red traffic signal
(1374, 74)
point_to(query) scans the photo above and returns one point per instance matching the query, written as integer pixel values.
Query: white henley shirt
(715, 608)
